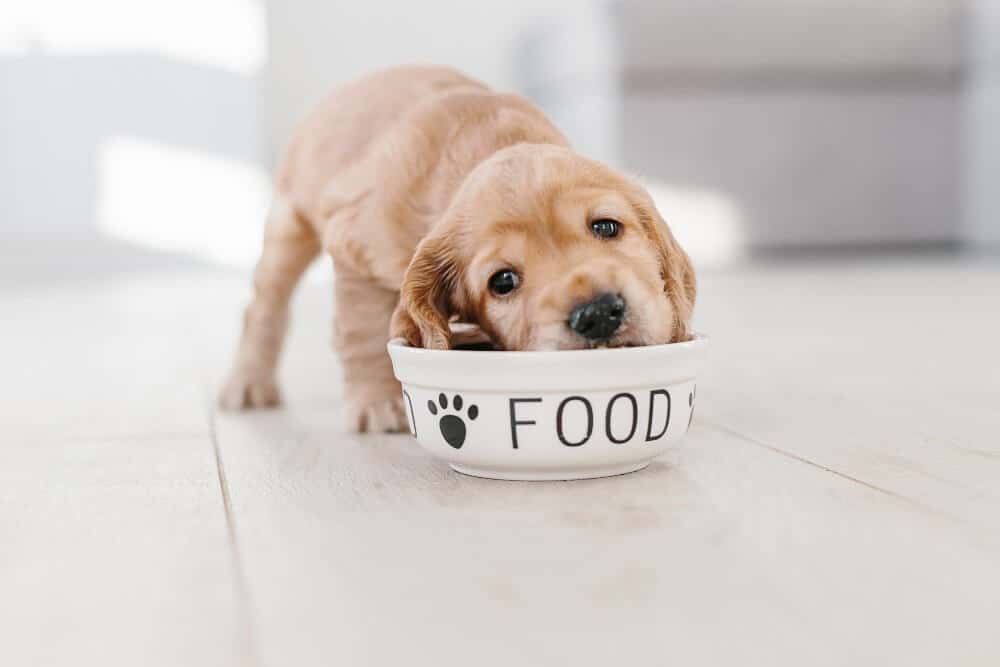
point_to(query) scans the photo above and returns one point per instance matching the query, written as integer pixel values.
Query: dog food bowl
(572, 414)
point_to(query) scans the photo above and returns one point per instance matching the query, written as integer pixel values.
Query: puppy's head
(544, 250)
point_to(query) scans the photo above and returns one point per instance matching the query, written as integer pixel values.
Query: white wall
(982, 129)
(316, 44)
(131, 122)
(155, 123)
(126, 127)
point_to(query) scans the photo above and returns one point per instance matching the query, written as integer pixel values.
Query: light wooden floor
(837, 501)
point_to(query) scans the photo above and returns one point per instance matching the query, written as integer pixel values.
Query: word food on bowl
(576, 421)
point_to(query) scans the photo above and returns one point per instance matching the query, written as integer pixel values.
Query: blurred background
(140, 134)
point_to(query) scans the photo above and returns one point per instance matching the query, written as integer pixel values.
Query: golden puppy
(439, 200)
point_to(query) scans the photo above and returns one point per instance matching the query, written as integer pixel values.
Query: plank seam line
(795, 457)
(239, 571)
(977, 534)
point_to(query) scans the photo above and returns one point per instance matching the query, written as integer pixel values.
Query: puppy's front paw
(384, 415)
(247, 389)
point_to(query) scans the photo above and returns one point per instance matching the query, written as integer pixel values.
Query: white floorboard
(724, 553)
(114, 544)
(115, 552)
(888, 374)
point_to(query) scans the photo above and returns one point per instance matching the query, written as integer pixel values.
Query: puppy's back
(341, 132)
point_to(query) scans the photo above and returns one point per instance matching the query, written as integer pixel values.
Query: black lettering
(514, 423)
(413, 417)
(559, 425)
(666, 423)
(635, 417)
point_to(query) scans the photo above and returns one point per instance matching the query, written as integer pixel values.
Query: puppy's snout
(598, 319)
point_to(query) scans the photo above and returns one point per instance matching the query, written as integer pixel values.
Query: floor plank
(115, 552)
(361, 550)
(885, 373)
(114, 543)
(126, 355)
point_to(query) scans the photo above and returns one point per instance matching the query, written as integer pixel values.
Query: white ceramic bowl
(571, 414)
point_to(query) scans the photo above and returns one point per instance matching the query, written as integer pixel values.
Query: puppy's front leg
(360, 332)
(289, 246)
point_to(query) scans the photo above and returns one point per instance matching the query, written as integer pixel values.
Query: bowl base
(567, 474)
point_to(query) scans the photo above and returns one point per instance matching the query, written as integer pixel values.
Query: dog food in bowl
(571, 414)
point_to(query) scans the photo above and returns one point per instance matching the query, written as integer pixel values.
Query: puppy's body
(419, 182)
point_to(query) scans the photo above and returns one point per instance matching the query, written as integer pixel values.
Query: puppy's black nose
(598, 319)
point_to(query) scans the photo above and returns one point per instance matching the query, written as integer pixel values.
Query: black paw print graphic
(452, 427)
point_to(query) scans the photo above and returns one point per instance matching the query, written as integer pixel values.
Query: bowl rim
(697, 340)
(549, 371)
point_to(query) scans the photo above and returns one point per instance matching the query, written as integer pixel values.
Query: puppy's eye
(504, 282)
(605, 228)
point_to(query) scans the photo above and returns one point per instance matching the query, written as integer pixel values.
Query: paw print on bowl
(452, 425)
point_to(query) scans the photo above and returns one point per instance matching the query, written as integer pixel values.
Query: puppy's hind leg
(290, 244)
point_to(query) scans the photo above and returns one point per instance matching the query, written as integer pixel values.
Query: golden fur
(420, 183)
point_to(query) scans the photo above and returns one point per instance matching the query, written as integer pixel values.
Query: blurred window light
(227, 34)
(708, 225)
(179, 200)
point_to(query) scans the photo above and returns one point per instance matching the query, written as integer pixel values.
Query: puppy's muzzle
(598, 319)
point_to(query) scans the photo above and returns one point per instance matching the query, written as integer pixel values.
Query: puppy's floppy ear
(426, 299)
(677, 273)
